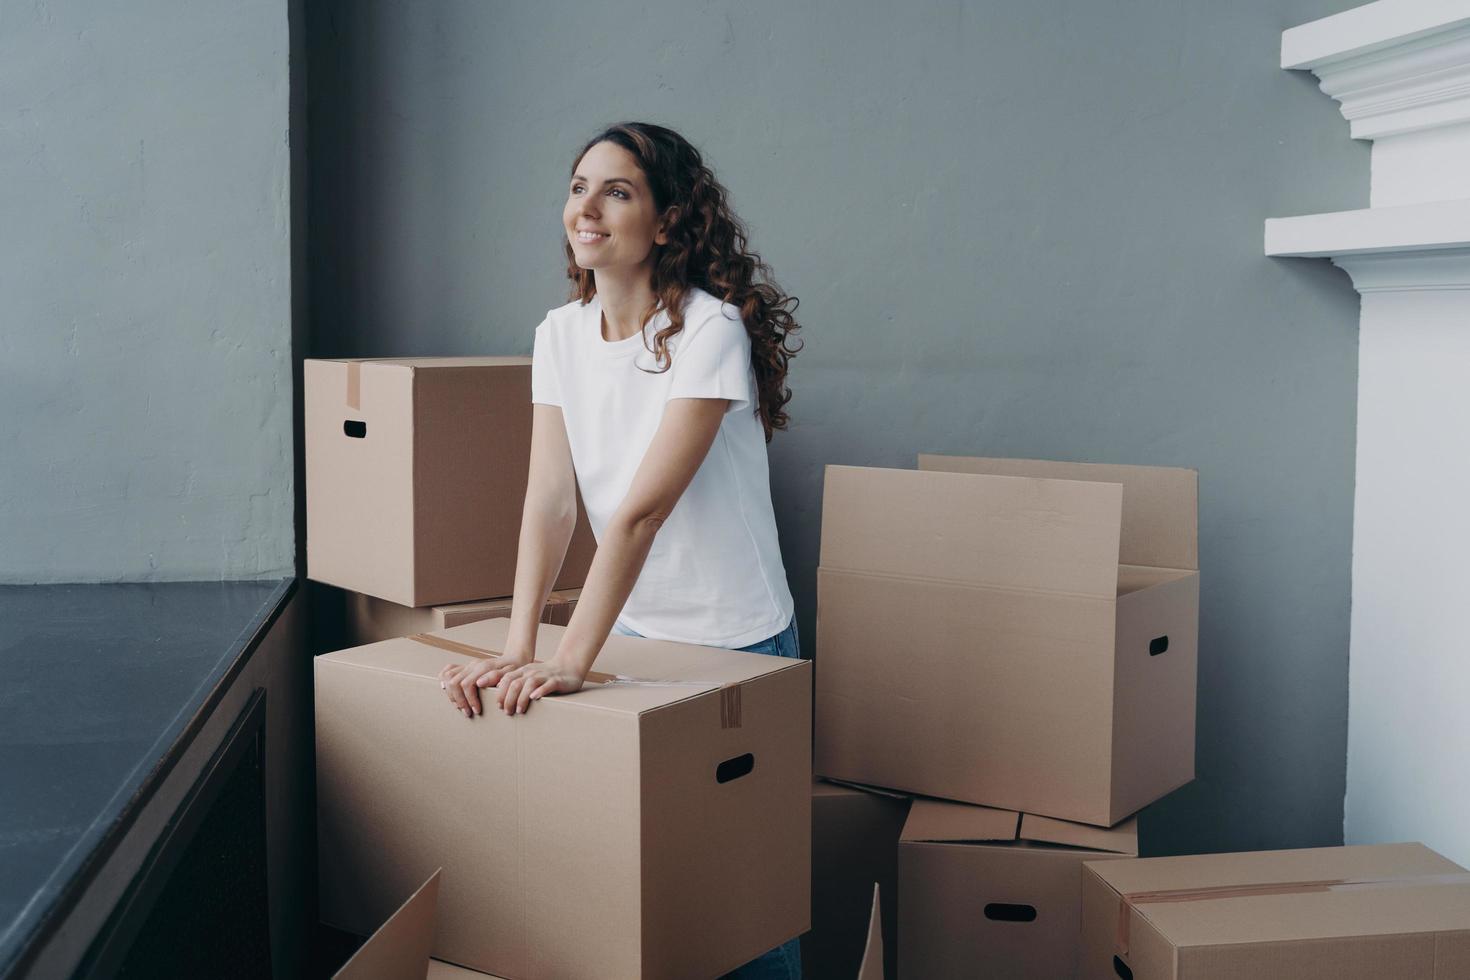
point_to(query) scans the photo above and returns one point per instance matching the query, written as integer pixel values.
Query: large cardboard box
(1009, 640)
(994, 887)
(369, 619)
(416, 475)
(1385, 912)
(854, 847)
(655, 824)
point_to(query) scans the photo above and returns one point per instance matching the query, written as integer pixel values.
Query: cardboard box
(655, 824)
(400, 948)
(1386, 912)
(854, 847)
(560, 606)
(369, 619)
(1009, 640)
(416, 475)
(995, 887)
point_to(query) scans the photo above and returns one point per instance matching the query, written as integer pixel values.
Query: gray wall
(145, 346)
(1029, 230)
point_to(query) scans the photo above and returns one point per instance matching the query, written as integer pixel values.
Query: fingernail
(442, 687)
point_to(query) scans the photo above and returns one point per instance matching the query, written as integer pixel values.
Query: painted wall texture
(145, 346)
(1026, 230)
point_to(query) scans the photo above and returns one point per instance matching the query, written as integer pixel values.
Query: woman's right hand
(464, 682)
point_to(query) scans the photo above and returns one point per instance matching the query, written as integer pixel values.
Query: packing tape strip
(730, 700)
(354, 385)
(1131, 900)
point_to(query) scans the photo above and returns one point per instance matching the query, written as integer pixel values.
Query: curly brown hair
(707, 248)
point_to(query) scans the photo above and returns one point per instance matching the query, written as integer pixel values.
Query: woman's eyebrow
(610, 180)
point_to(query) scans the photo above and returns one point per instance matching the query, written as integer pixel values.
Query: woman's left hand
(529, 683)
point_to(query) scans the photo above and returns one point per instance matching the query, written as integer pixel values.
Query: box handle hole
(732, 769)
(1005, 912)
(1158, 645)
(1121, 969)
(354, 429)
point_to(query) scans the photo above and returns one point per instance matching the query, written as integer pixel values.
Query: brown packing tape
(354, 385)
(1132, 900)
(730, 706)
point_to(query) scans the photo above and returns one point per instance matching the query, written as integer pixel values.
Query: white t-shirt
(714, 574)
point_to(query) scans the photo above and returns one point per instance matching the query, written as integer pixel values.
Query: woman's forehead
(605, 161)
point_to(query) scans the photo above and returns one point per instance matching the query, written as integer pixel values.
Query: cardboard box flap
(1270, 867)
(644, 677)
(420, 363)
(872, 966)
(940, 821)
(1160, 503)
(1119, 839)
(1436, 904)
(401, 946)
(997, 531)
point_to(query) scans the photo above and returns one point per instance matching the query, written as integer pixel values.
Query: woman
(656, 390)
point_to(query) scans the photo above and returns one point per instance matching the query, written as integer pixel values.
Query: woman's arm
(684, 436)
(547, 522)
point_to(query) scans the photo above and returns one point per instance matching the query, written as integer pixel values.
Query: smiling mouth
(589, 237)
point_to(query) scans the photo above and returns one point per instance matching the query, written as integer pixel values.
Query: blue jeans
(783, 962)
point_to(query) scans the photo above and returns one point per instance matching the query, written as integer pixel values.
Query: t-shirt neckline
(626, 347)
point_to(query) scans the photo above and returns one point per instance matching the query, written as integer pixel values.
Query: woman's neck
(626, 300)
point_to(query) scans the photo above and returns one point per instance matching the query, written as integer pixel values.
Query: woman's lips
(591, 237)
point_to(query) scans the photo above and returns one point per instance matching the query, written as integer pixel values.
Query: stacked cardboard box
(1381, 912)
(1017, 637)
(370, 619)
(415, 480)
(655, 824)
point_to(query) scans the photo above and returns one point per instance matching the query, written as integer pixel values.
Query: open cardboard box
(655, 824)
(1385, 912)
(416, 475)
(1018, 634)
(854, 847)
(369, 619)
(995, 887)
(399, 950)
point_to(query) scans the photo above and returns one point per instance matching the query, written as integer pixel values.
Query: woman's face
(610, 218)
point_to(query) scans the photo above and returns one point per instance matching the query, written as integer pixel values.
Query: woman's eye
(576, 188)
(620, 192)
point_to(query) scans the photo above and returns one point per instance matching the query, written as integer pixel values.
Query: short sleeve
(713, 361)
(545, 384)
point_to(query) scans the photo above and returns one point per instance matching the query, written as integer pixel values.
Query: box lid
(401, 946)
(632, 675)
(943, 822)
(1040, 535)
(1122, 838)
(1160, 503)
(1285, 896)
(427, 363)
(871, 967)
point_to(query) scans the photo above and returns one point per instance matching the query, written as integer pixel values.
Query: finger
(547, 686)
(456, 697)
(513, 693)
(492, 676)
(524, 701)
(446, 674)
(471, 694)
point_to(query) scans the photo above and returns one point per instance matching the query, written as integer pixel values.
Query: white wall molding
(1405, 68)
(1397, 272)
(1401, 71)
